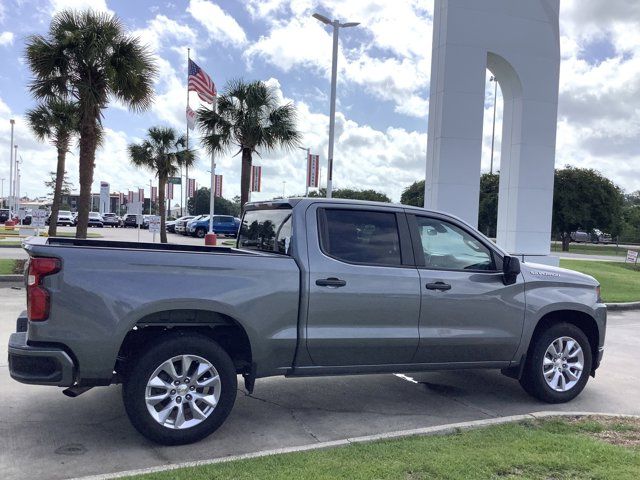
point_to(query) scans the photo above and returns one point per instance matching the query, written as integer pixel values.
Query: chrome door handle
(438, 286)
(331, 282)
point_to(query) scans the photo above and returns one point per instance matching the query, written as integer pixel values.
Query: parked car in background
(111, 220)
(4, 215)
(65, 217)
(95, 220)
(599, 236)
(222, 225)
(145, 221)
(193, 220)
(130, 220)
(181, 226)
(594, 236)
(171, 225)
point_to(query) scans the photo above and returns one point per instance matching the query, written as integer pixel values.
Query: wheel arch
(219, 327)
(584, 321)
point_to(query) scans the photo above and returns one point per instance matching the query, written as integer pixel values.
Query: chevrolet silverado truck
(313, 287)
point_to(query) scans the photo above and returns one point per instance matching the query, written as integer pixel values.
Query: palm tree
(57, 121)
(88, 56)
(163, 152)
(249, 117)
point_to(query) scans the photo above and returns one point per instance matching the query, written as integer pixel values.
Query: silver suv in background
(595, 236)
(111, 220)
(65, 217)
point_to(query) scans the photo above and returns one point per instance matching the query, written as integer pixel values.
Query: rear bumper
(38, 365)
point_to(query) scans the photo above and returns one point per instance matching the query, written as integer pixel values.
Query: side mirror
(510, 269)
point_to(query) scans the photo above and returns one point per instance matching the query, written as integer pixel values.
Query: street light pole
(16, 180)
(12, 122)
(334, 74)
(306, 181)
(493, 133)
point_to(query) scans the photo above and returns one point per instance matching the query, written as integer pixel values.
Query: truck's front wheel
(181, 390)
(558, 365)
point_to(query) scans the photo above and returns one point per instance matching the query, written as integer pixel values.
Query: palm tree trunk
(162, 182)
(87, 164)
(63, 145)
(245, 177)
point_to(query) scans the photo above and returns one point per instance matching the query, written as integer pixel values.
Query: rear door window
(360, 236)
(267, 230)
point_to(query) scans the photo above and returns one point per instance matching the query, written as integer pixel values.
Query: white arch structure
(518, 41)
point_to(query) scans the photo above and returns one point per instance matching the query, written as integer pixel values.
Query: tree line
(582, 199)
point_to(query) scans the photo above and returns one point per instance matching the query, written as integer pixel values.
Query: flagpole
(213, 177)
(306, 191)
(187, 168)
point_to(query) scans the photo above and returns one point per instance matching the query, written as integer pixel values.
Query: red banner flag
(141, 195)
(154, 194)
(313, 171)
(169, 190)
(130, 197)
(191, 187)
(218, 186)
(256, 178)
(121, 198)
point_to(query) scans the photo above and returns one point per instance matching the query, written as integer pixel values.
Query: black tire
(134, 388)
(533, 380)
(200, 232)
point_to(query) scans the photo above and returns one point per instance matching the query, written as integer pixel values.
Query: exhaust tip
(73, 392)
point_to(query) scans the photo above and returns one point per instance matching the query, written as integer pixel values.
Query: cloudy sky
(384, 69)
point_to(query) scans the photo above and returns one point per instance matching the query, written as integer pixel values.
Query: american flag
(201, 83)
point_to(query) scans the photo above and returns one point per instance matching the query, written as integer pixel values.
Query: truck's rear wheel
(181, 390)
(558, 365)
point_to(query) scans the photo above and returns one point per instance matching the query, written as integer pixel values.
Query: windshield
(266, 230)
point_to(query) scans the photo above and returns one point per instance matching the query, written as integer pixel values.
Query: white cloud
(161, 30)
(6, 38)
(97, 5)
(221, 26)
(392, 63)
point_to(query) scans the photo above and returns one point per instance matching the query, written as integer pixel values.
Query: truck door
(468, 314)
(364, 297)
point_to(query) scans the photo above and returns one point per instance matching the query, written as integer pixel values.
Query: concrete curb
(614, 307)
(11, 278)
(436, 430)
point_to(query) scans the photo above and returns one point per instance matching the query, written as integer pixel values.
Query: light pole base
(210, 239)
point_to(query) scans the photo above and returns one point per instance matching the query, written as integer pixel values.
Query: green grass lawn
(553, 449)
(620, 282)
(7, 266)
(10, 243)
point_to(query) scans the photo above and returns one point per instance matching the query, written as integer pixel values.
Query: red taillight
(37, 295)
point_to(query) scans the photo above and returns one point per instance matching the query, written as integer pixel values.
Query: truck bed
(114, 244)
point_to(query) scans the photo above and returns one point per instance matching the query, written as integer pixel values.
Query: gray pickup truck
(313, 287)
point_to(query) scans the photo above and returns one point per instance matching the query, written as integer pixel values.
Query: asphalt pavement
(44, 434)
